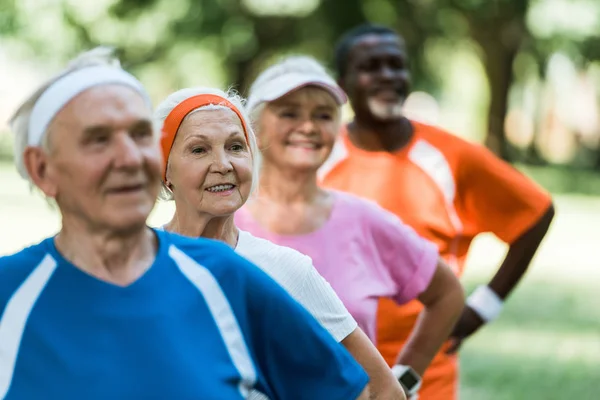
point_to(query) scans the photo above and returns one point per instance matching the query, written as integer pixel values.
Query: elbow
(364, 395)
(459, 298)
(392, 392)
(453, 299)
(446, 294)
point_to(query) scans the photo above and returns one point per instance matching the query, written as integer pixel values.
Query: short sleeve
(406, 257)
(495, 197)
(296, 273)
(319, 298)
(297, 357)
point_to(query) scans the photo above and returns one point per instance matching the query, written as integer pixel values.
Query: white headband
(66, 88)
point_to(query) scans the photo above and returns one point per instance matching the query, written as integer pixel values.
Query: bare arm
(514, 266)
(382, 383)
(365, 394)
(519, 256)
(443, 300)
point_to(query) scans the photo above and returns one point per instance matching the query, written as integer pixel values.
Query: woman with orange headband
(210, 170)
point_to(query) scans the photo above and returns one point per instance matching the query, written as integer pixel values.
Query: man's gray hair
(19, 122)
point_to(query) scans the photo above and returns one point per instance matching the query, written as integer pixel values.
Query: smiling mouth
(388, 95)
(309, 146)
(126, 189)
(220, 188)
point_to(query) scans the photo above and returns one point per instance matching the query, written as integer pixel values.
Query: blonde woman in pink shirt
(363, 251)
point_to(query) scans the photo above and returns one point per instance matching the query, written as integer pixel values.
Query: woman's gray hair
(174, 99)
(19, 122)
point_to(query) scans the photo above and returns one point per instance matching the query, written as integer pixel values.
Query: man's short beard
(385, 111)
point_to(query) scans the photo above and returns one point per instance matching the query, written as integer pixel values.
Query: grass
(545, 345)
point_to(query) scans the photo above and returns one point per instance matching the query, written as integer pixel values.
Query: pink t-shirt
(364, 252)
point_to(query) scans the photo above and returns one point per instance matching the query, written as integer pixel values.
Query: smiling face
(210, 164)
(377, 79)
(299, 130)
(103, 167)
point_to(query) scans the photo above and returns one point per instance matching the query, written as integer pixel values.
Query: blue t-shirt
(201, 323)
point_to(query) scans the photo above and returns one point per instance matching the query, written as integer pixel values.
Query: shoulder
(350, 202)
(439, 136)
(279, 262)
(455, 149)
(204, 261)
(366, 210)
(209, 255)
(296, 273)
(466, 158)
(15, 268)
(190, 245)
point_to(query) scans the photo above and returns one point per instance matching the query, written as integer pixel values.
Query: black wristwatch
(408, 378)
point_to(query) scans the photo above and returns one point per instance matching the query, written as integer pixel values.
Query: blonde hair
(174, 99)
(19, 122)
(296, 64)
(315, 94)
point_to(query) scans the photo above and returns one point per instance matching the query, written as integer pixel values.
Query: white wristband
(486, 303)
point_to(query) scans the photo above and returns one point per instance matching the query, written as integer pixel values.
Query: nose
(126, 152)
(387, 73)
(220, 163)
(307, 126)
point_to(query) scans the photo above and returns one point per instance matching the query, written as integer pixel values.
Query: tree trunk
(499, 68)
(500, 39)
(242, 76)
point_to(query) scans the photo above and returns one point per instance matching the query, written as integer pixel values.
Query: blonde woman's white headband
(66, 88)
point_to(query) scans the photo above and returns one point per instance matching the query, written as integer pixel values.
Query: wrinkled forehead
(110, 105)
(211, 121)
(374, 45)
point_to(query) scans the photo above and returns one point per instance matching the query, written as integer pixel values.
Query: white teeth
(220, 188)
(305, 145)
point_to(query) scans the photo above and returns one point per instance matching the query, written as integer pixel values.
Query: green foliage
(6, 147)
(238, 37)
(8, 17)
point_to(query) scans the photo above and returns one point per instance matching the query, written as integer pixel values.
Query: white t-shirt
(295, 273)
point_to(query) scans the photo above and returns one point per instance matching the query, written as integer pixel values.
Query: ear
(36, 163)
(167, 182)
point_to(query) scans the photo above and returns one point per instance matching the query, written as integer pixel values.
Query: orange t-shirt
(449, 191)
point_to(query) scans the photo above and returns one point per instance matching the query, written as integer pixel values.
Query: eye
(198, 150)
(288, 114)
(325, 116)
(237, 147)
(368, 66)
(97, 136)
(396, 64)
(142, 132)
(99, 139)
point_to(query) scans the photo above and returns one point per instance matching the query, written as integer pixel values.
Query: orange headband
(176, 116)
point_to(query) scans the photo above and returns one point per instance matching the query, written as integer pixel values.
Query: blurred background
(522, 77)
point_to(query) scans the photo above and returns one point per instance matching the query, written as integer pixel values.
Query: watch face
(409, 380)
